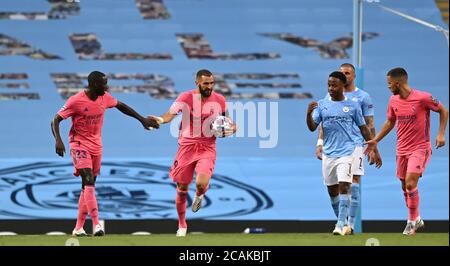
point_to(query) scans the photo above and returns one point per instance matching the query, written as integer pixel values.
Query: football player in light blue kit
(363, 99)
(338, 115)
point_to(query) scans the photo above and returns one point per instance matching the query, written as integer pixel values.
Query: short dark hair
(203, 72)
(339, 75)
(95, 77)
(398, 72)
(349, 65)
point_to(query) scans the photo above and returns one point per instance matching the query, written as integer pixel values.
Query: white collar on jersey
(356, 89)
(345, 98)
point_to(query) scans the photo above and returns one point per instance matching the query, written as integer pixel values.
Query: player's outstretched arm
(443, 118)
(146, 123)
(165, 118)
(309, 119)
(59, 146)
(387, 127)
(372, 144)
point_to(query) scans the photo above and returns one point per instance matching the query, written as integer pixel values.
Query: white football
(220, 125)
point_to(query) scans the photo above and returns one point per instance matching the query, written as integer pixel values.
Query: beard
(100, 92)
(395, 91)
(205, 92)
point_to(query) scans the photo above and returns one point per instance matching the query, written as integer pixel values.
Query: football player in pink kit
(197, 144)
(87, 109)
(410, 109)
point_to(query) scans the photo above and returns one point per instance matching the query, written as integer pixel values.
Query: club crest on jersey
(345, 109)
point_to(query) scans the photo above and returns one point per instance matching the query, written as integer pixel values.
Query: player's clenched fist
(312, 106)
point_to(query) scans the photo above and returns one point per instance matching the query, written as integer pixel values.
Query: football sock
(413, 204)
(405, 194)
(335, 205)
(354, 205)
(344, 202)
(91, 203)
(180, 203)
(82, 211)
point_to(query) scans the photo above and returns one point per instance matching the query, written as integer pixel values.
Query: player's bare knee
(182, 187)
(344, 187)
(403, 185)
(88, 179)
(201, 187)
(333, 191)
(356, 179)
(411, 185)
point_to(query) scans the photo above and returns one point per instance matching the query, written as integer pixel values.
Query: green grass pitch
(210, 239)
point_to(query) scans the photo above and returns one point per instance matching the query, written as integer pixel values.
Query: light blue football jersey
(338, 119)
(365, 102)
